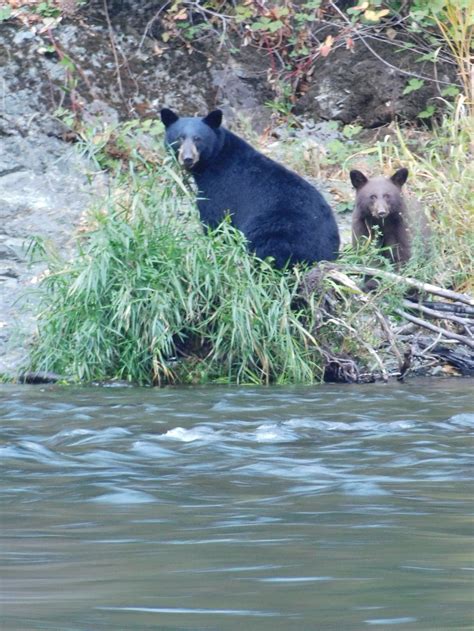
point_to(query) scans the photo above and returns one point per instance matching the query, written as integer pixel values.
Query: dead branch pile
(430, 330)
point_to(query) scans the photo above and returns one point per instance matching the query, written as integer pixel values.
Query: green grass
(152, 299)
(442, 178)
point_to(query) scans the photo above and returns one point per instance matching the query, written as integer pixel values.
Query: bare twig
(449, 307)
(411, 282)
(114, 50)
(437, 314)
(408, 73)
(391, 339)
(150, 23)
(384, 61)
(437, 329)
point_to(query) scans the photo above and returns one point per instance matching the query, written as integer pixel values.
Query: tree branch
(437, 314)
(411, 282)
(433, 327)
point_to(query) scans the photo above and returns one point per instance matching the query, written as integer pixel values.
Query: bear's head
(379, 197)
(194, 140)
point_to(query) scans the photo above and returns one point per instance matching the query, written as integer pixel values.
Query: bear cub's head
(379, 197)
(193, 139)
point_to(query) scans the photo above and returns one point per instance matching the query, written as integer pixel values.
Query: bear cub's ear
(358, 179)
(213, 119)
(400, 177)
(168, 117)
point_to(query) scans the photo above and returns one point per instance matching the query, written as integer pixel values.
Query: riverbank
(149, 298)
(48, 185)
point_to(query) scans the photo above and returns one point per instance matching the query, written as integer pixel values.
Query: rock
(367, 87)
(43, 188)
(44, 197)
(39, 377)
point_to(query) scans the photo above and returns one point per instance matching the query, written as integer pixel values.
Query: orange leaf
(325, 48)
(181, 15)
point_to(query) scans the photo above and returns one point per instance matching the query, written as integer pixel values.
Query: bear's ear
(168, 117)
(358, 179)
(213, 119)
(400, 177)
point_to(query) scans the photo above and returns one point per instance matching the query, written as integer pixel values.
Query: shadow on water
(238, 508)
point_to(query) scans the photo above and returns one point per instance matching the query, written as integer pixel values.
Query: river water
(309, 508)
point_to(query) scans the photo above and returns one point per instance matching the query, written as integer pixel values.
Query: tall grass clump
(455, 21)
(441, 169)
(150, 298)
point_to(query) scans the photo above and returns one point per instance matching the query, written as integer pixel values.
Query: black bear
(280, 214)
(380, 212)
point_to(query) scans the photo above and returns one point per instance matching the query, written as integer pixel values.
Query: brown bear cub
(381, 213)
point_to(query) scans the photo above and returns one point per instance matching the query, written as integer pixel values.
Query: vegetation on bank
(292, 35)
(153, 299)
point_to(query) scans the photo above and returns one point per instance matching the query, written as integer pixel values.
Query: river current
(214, 508)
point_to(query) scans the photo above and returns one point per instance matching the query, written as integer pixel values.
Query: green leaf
(243, 13)
(431, 56)
(451, 90)
(275, 26)
(350, 131)
(428, 112)
(413, 85)
(262, 25)
(5, 13)
(68, 63)
(404, 46)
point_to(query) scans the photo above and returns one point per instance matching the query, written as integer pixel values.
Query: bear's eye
(386, 196)
(373, 197)
(196, 138)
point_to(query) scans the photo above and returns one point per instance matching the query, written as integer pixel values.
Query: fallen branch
(449, 307)
(437, 314)
(328, 318)
(433, 327)
(391, 339)
(411, 282)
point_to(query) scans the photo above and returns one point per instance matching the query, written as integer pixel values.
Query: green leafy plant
(413, 85)
(282, 104)
(5, 13)
(428, 112)
(351, 131)
(47, 10)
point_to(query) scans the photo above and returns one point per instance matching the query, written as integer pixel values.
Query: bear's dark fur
(280, 214)
(381, 213)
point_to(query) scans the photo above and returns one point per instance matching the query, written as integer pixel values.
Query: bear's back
(281, 214)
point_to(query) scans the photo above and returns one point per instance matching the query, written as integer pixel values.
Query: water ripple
(156, 508)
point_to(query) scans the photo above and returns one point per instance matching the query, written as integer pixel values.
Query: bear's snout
(380, 209)
(188, 163)
(188, 154)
